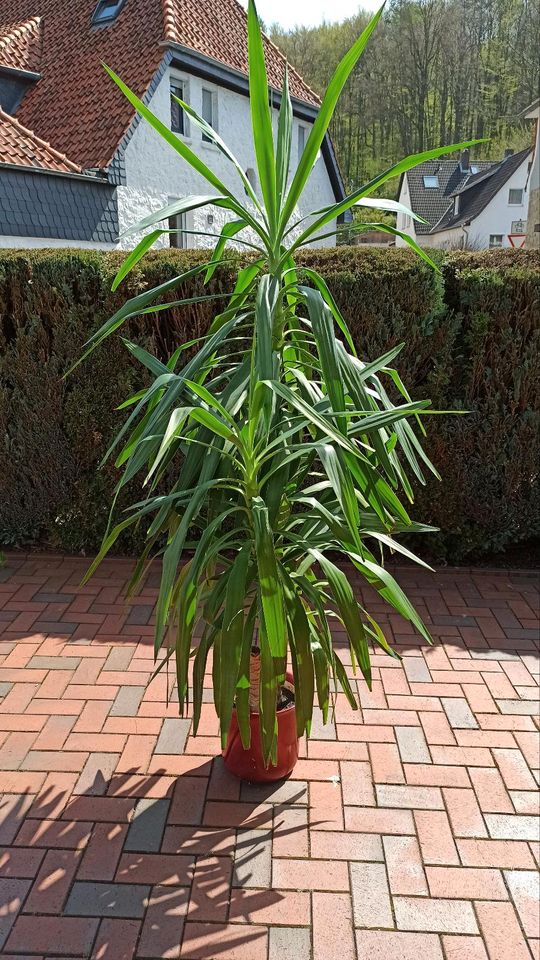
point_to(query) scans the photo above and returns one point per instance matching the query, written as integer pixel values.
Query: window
(474, 168)
(515, 197)
(456, 206)
(179, 122)
(301, 140)
(252, 179)
(178, 222)
(107, 11)
(495, 240)
(431, 182)
(209, 111)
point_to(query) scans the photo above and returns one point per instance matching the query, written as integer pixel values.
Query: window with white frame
(431, 182)
(209, 110)
(179, 122)
(179, 223)
(301, 140)
(495, 240)
(515, 197)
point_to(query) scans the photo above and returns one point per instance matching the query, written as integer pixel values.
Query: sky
(309, 13)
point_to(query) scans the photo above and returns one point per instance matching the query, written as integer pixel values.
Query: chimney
(464, 161)
(508, 153)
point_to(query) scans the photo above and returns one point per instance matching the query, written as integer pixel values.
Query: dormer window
(431, 182)
(106, 11)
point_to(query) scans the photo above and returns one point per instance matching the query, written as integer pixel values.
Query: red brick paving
(408, 830)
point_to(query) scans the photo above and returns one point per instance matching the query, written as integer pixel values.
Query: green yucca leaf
(261, 119)
(273, 448)
(324, 116)
(284, 139)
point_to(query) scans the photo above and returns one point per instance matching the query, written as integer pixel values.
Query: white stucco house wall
(156, 176)
(77, 164)
(466, 204)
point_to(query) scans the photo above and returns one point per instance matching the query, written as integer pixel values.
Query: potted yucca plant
(286, 451)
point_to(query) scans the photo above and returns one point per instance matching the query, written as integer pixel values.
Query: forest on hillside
(435, 72)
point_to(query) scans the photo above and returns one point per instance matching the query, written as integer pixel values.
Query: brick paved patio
(408, 830)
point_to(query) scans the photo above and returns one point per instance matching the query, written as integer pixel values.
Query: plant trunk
(254, 679)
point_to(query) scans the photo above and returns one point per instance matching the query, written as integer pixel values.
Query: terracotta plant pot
(249, 764)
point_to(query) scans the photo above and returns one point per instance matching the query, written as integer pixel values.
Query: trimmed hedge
(472, 342)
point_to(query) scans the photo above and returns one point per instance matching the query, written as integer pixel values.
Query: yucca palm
(286, 449)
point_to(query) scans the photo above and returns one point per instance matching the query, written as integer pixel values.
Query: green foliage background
(438, 72)
(472, 342)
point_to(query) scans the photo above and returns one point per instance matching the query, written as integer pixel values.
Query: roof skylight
(430, 182)
(106, 11)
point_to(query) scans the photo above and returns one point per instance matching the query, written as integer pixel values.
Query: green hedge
(472, 342)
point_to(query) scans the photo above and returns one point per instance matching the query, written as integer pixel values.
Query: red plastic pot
(249, 764)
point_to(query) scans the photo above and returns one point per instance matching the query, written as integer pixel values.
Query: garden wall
(472, 342)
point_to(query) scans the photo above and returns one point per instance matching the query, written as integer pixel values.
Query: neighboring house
(467, 204)
(533, 218)
(76, 165)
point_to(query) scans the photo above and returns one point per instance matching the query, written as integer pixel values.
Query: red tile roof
(77, 107)
(20, 45)
(21, 147)
(217, 29)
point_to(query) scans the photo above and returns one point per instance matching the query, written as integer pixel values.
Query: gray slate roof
(431, 203)
(475, 195)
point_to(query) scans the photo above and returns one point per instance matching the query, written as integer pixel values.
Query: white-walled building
(78, 167)
(467, 204)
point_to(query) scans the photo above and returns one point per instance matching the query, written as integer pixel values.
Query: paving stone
(173, 736)
(459, 713)
(164, 923)
(71, 936)
(140, 614)
(5, 688)
(441, 916)
(518, 707)
(404, 865)
(501, 932)
(119, 658)
(416, 669)
(289, 943)
(54, 597)
(288, 791)
(54, 663)
(146, 830)
(384, 945)
(97, 774)
(253, 859)
(12, 894)
(107, 899)
(412, 745)
(416, 798)
(370, 895)
(524, 886)
(127, 702)
(333, 930)
(320, 730)
(503, 827)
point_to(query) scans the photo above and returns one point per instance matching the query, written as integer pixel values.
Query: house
(76, 165)
(532, 112)
(467, 204)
